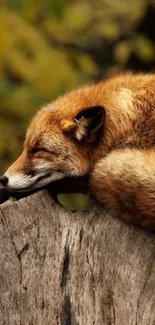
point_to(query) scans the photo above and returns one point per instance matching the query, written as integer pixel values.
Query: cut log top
(64, 268)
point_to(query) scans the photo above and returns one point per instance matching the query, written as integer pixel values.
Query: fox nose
(4, 180)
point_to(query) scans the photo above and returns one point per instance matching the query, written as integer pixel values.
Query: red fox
(106, 131)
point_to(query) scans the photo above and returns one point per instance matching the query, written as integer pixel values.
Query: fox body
(106, 131)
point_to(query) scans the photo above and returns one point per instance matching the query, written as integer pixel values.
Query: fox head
(59, 143)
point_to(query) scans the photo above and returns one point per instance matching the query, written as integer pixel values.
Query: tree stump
(59, 267)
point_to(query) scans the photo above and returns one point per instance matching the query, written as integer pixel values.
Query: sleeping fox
(106, 131)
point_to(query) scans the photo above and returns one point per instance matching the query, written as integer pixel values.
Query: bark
(63, 268)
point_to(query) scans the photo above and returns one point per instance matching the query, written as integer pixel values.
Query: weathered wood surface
(63, 268)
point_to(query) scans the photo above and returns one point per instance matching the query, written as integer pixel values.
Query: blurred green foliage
(50, 46)
(73, 201)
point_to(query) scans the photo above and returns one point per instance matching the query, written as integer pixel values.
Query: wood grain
(64, 268)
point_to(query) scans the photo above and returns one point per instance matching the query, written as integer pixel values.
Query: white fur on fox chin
(20, 182)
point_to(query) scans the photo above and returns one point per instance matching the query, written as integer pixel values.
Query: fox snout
(4, 180)
(25, 182)
(29, 178)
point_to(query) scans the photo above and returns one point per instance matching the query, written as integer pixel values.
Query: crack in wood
(67, 311)
(23, 250)
(65, 268)
(113, 309)
(81, 234)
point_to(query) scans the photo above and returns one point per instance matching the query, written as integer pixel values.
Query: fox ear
(89, 123)
(86, 125)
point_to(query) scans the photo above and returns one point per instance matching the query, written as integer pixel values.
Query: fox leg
(125, 182)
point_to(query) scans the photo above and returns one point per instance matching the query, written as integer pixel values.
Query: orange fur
(105, 130)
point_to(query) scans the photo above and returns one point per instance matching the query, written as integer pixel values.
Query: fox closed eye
(36, 150)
